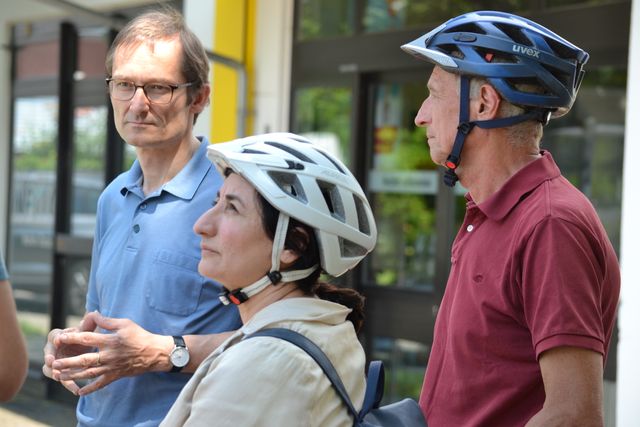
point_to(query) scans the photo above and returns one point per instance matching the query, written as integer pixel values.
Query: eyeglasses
(157, 93)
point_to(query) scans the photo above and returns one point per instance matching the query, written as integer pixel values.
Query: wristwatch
(179, 356)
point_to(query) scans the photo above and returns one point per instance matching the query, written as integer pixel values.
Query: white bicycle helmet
(307, 183)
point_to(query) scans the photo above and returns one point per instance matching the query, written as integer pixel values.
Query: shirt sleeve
(562, 287)
(3, 270)
(260, 382)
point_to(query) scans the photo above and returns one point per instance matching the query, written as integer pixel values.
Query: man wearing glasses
(155, 317)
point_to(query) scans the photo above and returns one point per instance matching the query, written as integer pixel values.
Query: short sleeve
(3, 269)
(562, 287)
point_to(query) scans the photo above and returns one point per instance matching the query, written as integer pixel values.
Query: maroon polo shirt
(531, 269)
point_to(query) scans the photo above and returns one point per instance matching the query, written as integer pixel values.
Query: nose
(422, 118)
(205, 225)
(139, 102)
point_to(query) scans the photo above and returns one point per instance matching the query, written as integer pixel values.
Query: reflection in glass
(88, 172)
(325, 18)
(404, 366)
(384, 15)
(588, 144)
(322, 114)
(30, 256)
(88, 181)
(403, 182)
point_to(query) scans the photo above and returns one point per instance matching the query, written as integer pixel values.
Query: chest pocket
(174, 285)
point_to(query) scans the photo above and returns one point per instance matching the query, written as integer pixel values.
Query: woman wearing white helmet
(286, 212)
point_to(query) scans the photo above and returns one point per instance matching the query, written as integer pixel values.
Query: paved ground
(28, 410)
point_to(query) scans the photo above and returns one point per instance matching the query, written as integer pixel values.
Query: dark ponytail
(345, 296)
(301, 238)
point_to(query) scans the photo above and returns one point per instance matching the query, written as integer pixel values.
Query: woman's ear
(288, 257)
(301, 238)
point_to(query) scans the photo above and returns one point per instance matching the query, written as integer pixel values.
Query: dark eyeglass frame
(145, 87)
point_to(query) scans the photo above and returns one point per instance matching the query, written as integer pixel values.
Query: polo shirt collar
(184, 185)
(519, 185)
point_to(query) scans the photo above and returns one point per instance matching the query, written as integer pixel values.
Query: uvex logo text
(526, 51)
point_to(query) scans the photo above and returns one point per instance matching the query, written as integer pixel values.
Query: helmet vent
(561, 50)
(250, 151)
(290, 150)
(332, 198)
(469, 27)
(350, 249)
(515, 34)
(363, 221)
(290, 184)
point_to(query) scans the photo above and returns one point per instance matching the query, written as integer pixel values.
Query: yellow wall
(234, 33)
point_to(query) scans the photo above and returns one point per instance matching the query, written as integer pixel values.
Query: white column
(200, 16)
(628, 377)
(274, 35)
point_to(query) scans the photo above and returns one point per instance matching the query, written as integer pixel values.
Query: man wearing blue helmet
(523, 330)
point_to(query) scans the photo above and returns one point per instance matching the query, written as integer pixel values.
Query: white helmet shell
(309, 184)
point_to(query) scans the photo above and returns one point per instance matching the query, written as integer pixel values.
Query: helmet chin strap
(465, 127)
(274, 276)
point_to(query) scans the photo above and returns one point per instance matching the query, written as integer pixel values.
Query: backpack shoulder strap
(375, 387)
(316, 354)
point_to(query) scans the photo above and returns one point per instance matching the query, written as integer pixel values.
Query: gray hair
(525, 133)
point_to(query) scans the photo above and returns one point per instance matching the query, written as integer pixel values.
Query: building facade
(329, 69)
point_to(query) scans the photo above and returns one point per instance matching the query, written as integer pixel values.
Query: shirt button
(143, 206)
(136, 228)
(469, 228)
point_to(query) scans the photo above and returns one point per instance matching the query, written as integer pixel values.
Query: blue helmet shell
(507, 49)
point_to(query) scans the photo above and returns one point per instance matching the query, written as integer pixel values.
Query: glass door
(50, 269)
(416, 215)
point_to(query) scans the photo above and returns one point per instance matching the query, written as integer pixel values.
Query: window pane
(88, 182)
(403, 182)
(564, 3)
(382, 15)
(31, 227)
(404, 366)
(88, 173)
(325, 18)
(322, 114)
(588, 144)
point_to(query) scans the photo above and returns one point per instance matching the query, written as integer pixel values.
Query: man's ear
(487, 103)
(200, 99)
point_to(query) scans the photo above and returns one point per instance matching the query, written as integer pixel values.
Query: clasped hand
(82, 353)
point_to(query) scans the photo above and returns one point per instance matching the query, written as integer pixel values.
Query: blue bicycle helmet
(507, 50)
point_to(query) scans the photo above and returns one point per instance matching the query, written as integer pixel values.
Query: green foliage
(40, 148)
(41, 156)
(411, 152)
(325, 109)
(31, 330)
(405, 221)
(407, 383)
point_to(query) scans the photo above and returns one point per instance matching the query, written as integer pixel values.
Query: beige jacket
(265, 381)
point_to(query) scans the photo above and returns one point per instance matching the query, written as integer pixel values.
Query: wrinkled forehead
(443, 80)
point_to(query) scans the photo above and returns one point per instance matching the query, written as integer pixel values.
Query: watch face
(179, 357)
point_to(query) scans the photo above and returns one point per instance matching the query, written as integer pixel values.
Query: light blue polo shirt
(145, 268)
(3, 270)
